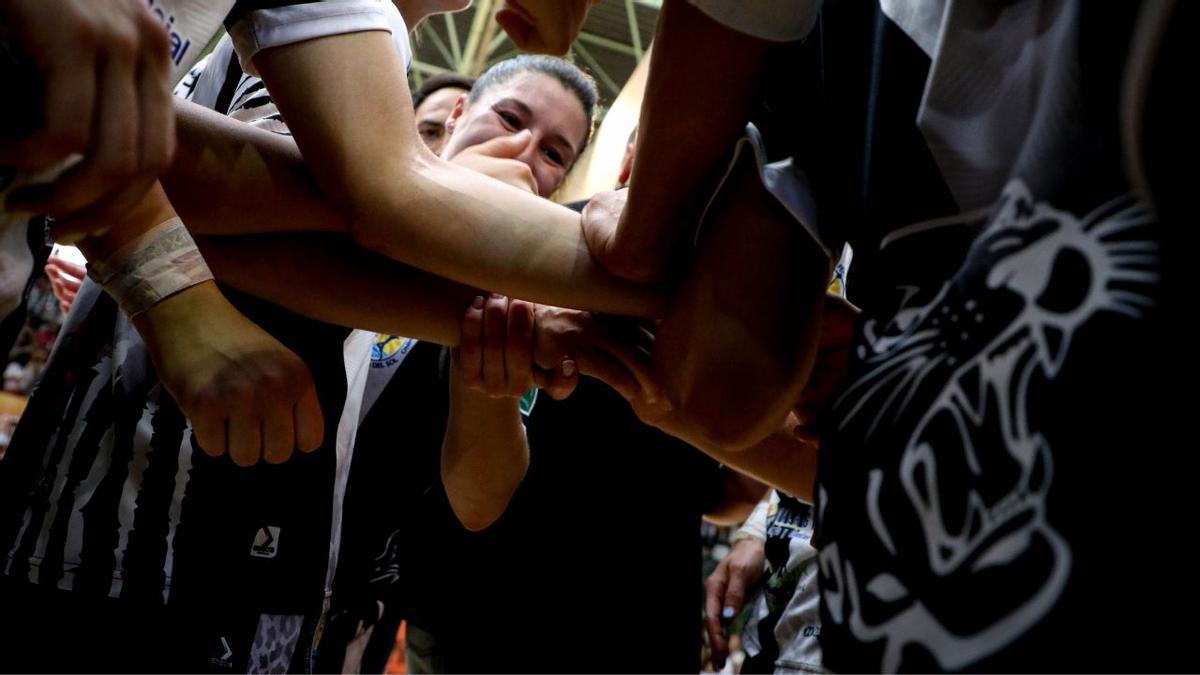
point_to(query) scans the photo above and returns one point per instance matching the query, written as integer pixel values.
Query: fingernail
(727, 613)
(568, 367)
(477, 303)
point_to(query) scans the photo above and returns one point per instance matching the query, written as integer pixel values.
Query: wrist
(154, 266)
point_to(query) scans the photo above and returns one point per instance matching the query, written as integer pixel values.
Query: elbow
(728, 423)
(477, 521)
(478, 517)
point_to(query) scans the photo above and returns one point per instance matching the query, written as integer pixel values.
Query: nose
(529, 153)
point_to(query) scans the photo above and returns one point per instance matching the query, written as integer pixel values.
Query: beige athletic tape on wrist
(158, 264)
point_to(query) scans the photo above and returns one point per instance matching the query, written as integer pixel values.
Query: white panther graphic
(975, 351)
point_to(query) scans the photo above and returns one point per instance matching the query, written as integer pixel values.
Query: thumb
(509, 146)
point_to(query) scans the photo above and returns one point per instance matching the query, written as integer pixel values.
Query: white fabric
(774, 20)
(267, 28)
(156, 265)
(755, 526)
(979, 96)
(356, 354)
(920, 20)
(798, 628)
(788, 184)
(190, 26)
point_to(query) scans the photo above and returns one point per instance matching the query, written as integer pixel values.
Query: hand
(245, 393)
(616, 351)
(495, 353)
(725, 592)
(496, 159)
(107, 97)
(543, 26)
(602, 218)
(833, 360)
(65, 280)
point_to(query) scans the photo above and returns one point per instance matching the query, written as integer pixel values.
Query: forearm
(679, 153)
(359, 140)
(229, 177)
(780, 460)
(484, 455)
(739, 495)
(330, 278)
(120, 229)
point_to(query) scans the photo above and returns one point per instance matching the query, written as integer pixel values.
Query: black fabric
(396, 465)
(215, 581)
(599, 547)
(1006, 445)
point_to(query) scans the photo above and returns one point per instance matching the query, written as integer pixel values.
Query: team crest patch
(389, 350)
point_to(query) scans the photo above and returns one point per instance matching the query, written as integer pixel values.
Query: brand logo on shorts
(266, 543)
(223, 657)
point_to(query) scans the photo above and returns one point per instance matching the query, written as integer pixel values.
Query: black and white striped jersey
(103, 490)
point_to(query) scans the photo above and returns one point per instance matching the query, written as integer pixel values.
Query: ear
(460, 106)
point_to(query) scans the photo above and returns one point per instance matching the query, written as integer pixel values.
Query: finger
(209, 431)
(68, 110)
(278, 432)
(714, 600)
(603, 367)
(470, 350)
(156, 112)
(495, 323)
(245, 437)
(68, 268)
(110, 158)
(308, 421)
(735, 597)
(509, 146)
(638, 363)
(561, 382)
(518, 347)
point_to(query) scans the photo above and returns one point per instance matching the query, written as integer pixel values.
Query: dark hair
(441, 81)
(564, 72)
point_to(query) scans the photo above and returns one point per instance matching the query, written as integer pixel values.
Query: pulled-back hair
(441, 81)
(574, 80)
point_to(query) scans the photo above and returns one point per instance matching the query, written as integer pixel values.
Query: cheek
(548, 178)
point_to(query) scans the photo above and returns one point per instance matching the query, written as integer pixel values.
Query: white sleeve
(279, 26)
(773, 20)
(755, 526)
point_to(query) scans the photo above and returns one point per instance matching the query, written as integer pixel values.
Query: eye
(554, 156)
(431, 131)
(510, 119)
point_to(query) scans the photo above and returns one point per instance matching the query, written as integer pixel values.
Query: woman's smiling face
(530, 100)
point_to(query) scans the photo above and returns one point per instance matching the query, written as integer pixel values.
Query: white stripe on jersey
(182, 471)
(132, 486)
(62, 470)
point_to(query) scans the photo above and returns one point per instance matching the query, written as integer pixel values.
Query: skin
(107, 98)
(530, 101)
(432, 115)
